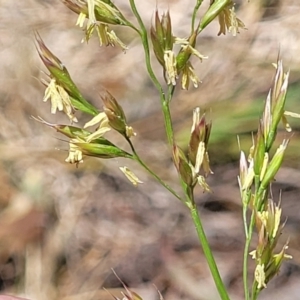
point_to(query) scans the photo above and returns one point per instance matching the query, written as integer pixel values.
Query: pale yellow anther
(260, 276)
(199, 157)
(91, 10)
(193, 51)
(130, 176)
(97, 134)
(60, 99)
(196, 118)
(249, 178)
(114, 39)
(187, 75)
(276, 221)
(80, 20)
(202, 182)
(130, 132)
(75, 154)
(253, 254)
(52, 93)
(292, 114)
(101, 118)
(170, 66)
(103, 127)
(229, 21)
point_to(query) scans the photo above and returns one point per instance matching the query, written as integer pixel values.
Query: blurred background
(63, 229)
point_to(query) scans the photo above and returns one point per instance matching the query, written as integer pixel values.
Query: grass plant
(257, 170)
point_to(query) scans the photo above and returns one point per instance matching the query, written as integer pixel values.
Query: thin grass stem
(196, 8)
(208, 253)
(165, 106)
(137, 158)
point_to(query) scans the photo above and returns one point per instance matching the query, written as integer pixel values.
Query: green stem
(255, 291)
(168, 122)
(246, 256)
(164, 102)
(198, 4)
(144, 37)
(170, 136)
(258, 199)
(137, 158)
(133, 27)
(171, 90)
(207, 252)
(167, 115)
(246, 197)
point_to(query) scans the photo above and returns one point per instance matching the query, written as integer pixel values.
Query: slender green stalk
(165, 106)
(170, 136)
(167, 114)
(245, 258)
(255, 291)
(207, 252)
(245, 209)
(246, 255)
(248, 232)
(197, 6)
(258, 199)
(144, 37)
(168, 123)
(171, 90)
(153, 174)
